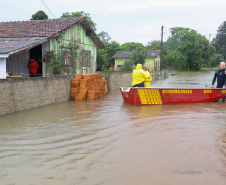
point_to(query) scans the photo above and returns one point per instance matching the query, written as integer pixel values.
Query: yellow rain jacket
(148, 80)
(138, 75)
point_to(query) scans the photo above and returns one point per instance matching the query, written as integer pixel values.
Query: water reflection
(110, 142)
(142, 111)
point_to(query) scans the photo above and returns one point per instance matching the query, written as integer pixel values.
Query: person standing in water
(220, 75)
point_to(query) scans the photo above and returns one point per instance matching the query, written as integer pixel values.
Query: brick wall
(25, 93)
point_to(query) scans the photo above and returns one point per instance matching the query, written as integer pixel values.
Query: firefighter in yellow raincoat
(147, 82)
(139, 76)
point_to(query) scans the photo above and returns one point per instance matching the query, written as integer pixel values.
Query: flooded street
(108, 142)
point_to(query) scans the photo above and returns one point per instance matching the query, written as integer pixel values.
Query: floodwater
(108, 142)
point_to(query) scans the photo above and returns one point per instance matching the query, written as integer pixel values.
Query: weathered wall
(76, 35)
(17, 64)
(117, 79)
(25, 93)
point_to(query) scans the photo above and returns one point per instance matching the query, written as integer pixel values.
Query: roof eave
(4, 55)
(86, 25)
(26, 47)
(93, 35)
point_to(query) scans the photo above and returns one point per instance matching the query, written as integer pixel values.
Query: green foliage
(188, 50)
(128, 66)
(112, 48)
(139, 56)
(216, 59)
(40, 15)
(220, 40)
(131, 46)
(154, 45)
(172, 60)
(80, 14)
(104, 56)
(104, 37)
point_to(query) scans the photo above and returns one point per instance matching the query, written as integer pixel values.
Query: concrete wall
(117, 79)
(25, 93)
(17, 94)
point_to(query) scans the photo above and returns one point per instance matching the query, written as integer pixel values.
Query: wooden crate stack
(88, 87)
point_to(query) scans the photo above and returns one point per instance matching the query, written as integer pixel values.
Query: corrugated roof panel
(10, 45)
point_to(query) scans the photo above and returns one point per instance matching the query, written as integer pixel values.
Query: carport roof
(15, 45)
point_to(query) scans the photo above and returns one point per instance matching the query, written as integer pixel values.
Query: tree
(128, 66)
(220, 41)
(172, 58)
(188, 49)
(216, 59)
(208, 50)
(131, 46)
(154, 45)
(40, 15)
(104, 56)
(104, 37)
(80, 14)
(139, 56)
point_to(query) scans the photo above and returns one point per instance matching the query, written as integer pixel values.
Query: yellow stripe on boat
(149, 96)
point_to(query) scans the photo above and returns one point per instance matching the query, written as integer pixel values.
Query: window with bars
(86, 58)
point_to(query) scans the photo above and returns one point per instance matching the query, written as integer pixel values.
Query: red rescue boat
(156, 96)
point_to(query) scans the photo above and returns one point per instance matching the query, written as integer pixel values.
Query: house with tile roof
(152, 62)
(21, 41)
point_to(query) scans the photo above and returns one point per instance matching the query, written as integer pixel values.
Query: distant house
(152, 62)
(22, 40)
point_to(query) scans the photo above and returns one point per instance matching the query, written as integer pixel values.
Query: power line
(48, 9)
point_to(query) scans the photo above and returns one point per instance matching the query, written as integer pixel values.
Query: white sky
(129, 20)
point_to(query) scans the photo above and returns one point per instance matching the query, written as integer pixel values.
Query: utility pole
(161, 48)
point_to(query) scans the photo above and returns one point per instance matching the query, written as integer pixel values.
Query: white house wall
(2, 68)
(45, 48)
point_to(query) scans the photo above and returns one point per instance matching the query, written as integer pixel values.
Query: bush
(128, 66)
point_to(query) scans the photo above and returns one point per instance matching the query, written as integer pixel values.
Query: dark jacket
(221, 78)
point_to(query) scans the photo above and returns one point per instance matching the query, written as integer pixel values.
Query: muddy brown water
(110, 142)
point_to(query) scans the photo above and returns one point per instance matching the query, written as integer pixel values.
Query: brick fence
(25, 93)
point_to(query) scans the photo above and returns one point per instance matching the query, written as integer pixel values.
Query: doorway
(36, 53)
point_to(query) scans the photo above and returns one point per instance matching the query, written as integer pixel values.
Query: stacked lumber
(88, 87)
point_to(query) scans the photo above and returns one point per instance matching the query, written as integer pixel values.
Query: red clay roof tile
(37, 28)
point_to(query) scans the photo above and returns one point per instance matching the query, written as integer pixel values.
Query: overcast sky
(129, 20)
